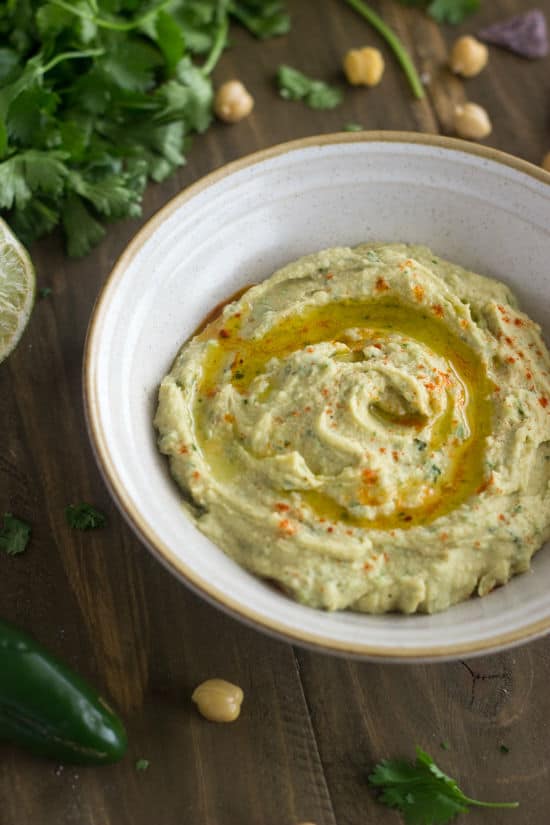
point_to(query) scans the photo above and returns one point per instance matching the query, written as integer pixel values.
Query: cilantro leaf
(198, 22)
(169, 38)
(422, 791)
(198, 96)
(35, 219)
(264, 18)
(14, 535)
(28, 172)
(142, 764)
(323, 96)
(31, 116)
(84, 517)
(110, 194)
(130, 64)
(9, 60)
(452, 11)
(44, 171)
(51, 21)
(294, 85)
(82, 231)
(446, 11)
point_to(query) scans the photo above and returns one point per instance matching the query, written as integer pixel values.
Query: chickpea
(472, 121)
(364, 67)
(233, 102)
(546, 162)
(218, 700)
(468, 56)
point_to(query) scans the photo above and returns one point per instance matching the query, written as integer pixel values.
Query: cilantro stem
(70, 56)
(111, 24)
(393, 42)
(490, 804)
(219, 43)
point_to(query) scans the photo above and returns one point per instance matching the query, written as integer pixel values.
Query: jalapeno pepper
(49, 709)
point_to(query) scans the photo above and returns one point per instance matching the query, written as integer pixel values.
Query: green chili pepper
(49, 709)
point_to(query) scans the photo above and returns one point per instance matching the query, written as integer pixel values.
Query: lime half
(17, 287)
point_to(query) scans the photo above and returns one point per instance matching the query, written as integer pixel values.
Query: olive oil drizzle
(230, 349)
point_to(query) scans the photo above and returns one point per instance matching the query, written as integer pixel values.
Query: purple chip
(525, 34)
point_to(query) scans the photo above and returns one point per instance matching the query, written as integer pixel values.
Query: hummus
(369, 428)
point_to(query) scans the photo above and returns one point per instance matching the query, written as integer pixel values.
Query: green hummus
(369, 428)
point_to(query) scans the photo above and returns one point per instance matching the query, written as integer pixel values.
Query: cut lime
(17, 287)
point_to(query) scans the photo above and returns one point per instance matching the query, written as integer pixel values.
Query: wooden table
(312, 726)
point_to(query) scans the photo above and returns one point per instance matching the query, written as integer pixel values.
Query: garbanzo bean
(233, 102)
(472, 121)
(468, 56)
(546, 162)
(364, 67)
(218, 700)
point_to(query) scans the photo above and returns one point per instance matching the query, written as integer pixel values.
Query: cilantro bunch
(99, 96)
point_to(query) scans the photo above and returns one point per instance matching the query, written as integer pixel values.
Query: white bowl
(480, 208)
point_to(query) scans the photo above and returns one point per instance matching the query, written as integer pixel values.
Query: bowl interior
(235, 228)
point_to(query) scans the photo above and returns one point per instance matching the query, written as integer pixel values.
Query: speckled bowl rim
(147, 534)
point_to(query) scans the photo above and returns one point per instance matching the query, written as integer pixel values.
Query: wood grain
(312, 726)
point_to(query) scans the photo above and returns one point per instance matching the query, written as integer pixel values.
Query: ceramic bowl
(480, 208)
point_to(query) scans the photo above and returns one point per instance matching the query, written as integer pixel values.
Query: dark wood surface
(311, 726)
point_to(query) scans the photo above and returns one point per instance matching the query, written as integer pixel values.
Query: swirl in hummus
(369, 428)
